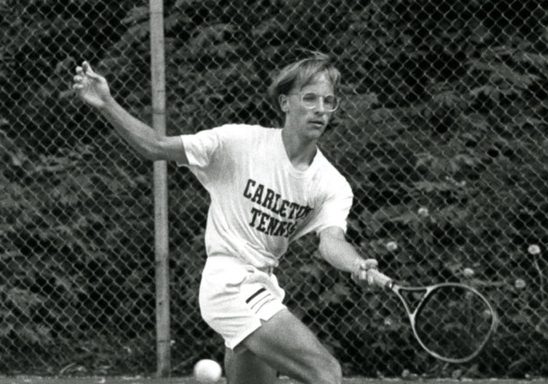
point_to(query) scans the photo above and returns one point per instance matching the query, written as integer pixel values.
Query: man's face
(309, 109)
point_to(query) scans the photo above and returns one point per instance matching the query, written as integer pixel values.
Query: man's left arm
(341, 254)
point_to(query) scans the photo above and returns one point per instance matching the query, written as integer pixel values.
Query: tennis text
(263, 220)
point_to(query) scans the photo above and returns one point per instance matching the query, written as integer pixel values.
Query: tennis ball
(423, 211)
(468, 272)
(486, 314)
(391, 246)
(519, 284)
(207, 371)
(533, 249)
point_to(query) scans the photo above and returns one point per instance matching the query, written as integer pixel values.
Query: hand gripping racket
(451, 321)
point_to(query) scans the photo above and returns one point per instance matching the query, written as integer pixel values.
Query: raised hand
(92, 88)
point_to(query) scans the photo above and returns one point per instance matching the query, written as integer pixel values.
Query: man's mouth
(316, 122)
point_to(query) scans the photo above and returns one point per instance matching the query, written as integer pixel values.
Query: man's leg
(246, 368)
(288, 346)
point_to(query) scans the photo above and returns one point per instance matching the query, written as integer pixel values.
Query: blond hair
(299, 74)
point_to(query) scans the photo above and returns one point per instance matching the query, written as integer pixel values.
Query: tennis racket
(451, 321)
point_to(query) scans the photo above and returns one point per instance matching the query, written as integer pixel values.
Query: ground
(183, 380)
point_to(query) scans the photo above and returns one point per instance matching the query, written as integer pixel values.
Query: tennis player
(268, 187)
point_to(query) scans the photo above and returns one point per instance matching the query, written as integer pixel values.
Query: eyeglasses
(311, 100)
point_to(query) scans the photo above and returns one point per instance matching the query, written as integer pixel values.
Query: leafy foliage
(444, 110)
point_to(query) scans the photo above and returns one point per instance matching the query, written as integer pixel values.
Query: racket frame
(427, 290)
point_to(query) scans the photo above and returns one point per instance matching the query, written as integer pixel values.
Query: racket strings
(453, 322)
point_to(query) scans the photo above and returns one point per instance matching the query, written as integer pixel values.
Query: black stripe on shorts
(261, 290)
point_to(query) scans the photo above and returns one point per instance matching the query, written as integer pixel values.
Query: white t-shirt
(259, 201)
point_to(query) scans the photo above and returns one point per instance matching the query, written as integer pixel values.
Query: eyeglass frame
(318, 98)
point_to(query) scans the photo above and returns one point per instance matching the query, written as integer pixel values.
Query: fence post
(161, 246)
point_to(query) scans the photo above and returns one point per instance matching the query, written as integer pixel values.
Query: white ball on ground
(207, 371)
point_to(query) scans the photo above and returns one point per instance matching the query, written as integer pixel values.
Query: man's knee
(245, 367)
(328, 372)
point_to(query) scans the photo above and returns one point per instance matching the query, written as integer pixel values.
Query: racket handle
(379, 279)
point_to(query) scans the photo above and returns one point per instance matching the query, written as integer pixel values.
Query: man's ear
(283, 101)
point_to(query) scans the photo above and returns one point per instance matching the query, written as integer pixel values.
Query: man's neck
(300, 153)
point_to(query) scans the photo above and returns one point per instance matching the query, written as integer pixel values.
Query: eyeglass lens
(312, 100)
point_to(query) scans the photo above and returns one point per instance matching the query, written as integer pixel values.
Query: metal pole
(161, 242)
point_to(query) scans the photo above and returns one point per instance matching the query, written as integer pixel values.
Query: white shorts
(236, 297)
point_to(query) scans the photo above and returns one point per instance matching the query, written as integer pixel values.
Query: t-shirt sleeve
(335, 200)
(200, 147)
(211, 152)
(335, 208)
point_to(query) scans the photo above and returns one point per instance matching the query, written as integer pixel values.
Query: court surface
(184, 380)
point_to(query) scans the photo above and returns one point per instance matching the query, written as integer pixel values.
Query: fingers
(370, 264)
(86, 69)
(362, 266)
(83, 74)
(367, 264)
(376, 278)
(79, 80)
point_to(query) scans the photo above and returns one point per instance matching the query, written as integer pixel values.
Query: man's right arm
(141, 137)
(93, 89)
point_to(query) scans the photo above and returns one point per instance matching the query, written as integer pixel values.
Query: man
(268, 187)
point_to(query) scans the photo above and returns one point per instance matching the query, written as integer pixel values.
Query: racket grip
(379, 279)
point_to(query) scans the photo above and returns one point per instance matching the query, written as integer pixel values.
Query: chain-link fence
(443, 136)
